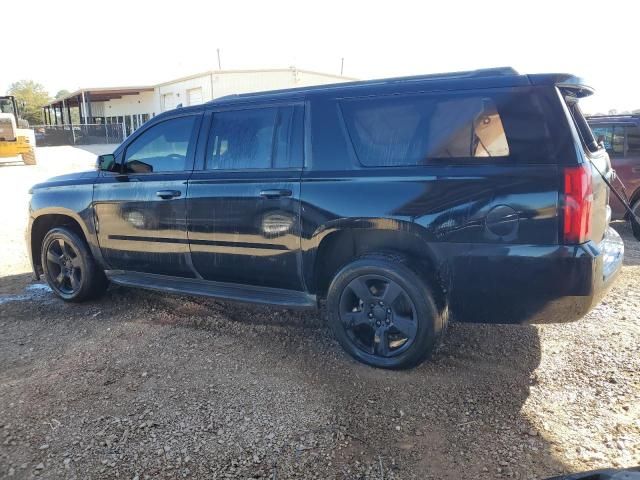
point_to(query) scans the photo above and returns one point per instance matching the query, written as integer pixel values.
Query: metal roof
(100, 94)
(268, 70)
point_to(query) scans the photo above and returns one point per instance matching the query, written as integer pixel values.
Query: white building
(132, 106)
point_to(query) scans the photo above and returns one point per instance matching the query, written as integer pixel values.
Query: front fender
(50, 206)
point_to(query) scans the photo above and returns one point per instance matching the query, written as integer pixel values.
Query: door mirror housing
(106, 162)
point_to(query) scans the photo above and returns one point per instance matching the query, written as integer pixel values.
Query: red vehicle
(620, 135)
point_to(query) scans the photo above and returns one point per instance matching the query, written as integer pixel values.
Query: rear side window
(256, 138)
(424, 129)
(633, 140)
(611, 136)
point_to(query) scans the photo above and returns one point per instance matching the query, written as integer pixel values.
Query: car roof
(632, 119)
(483, 78)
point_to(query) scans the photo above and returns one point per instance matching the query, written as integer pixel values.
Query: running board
(220, 290)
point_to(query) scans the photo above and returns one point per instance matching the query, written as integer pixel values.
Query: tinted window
(633, 140)
(161, 148)
(618, 139)
(603, 134)
(412, 130)
(255, 138)
(612, 136)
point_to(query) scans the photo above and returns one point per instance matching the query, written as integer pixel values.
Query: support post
(88, 97)
(84, 108)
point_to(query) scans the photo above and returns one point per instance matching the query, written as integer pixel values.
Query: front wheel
(383, 313)
(69, 267)
(635, 224)
(29, 158)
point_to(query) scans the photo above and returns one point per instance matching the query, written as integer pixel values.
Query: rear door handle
(275, 193)
(167, 194)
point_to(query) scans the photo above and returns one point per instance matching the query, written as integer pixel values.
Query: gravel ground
(144, 385)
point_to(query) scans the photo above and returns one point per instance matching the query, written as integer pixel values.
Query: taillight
(578, 197)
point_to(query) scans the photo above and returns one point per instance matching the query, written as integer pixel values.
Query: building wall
(218, 84)
(142, 103)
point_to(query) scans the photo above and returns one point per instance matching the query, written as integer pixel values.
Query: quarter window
(410, 131)
(256, 138)
(161, 148)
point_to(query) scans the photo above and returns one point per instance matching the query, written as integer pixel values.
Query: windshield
(6, 105)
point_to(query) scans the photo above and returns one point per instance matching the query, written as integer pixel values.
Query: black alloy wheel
(378, 315)
(383, 313)
(64, 266)
(69, 267)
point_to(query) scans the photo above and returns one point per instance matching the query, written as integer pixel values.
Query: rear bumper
(534, 284)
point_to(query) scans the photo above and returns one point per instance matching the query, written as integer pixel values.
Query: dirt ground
(145, 385)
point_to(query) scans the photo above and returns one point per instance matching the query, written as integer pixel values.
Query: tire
(635, 225)
(69, 268)
(29, 158)
(400, 333)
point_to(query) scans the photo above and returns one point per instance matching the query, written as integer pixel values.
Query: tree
(30, 97)
(62, 93)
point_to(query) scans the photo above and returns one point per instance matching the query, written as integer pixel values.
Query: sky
(68, 44)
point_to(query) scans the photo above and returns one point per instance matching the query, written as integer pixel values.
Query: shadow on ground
(311, 408)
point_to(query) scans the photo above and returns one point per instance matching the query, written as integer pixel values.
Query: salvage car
(620, 136)
(398, 203)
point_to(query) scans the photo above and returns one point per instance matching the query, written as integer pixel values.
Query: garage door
(194, 96)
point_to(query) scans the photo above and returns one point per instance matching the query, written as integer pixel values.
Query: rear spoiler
(570, 85)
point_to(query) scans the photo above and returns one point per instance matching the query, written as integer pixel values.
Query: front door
(244, 202)
(141, 210)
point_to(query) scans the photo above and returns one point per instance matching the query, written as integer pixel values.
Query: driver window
(162, 148)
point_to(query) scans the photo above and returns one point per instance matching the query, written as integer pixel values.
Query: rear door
(141, 210)
(244, 200)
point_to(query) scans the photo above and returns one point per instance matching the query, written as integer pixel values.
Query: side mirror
(106, 162)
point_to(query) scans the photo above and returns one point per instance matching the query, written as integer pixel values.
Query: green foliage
(62, 93)
(30, 97)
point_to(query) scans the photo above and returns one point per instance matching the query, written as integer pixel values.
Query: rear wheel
(69, 267)
(29, 158)
(383, 313)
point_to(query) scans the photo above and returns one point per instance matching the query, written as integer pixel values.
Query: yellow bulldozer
(16, 138)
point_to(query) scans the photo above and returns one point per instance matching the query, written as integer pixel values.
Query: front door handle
(167, 194)
(275, 193)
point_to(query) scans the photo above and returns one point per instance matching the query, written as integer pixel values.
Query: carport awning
(96, 95)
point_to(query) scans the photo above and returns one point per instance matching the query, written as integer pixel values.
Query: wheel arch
(343, 241)
(45, 221)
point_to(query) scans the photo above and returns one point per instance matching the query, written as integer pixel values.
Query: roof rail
(480, 73)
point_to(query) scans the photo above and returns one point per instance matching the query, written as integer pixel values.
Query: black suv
(399, 201)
